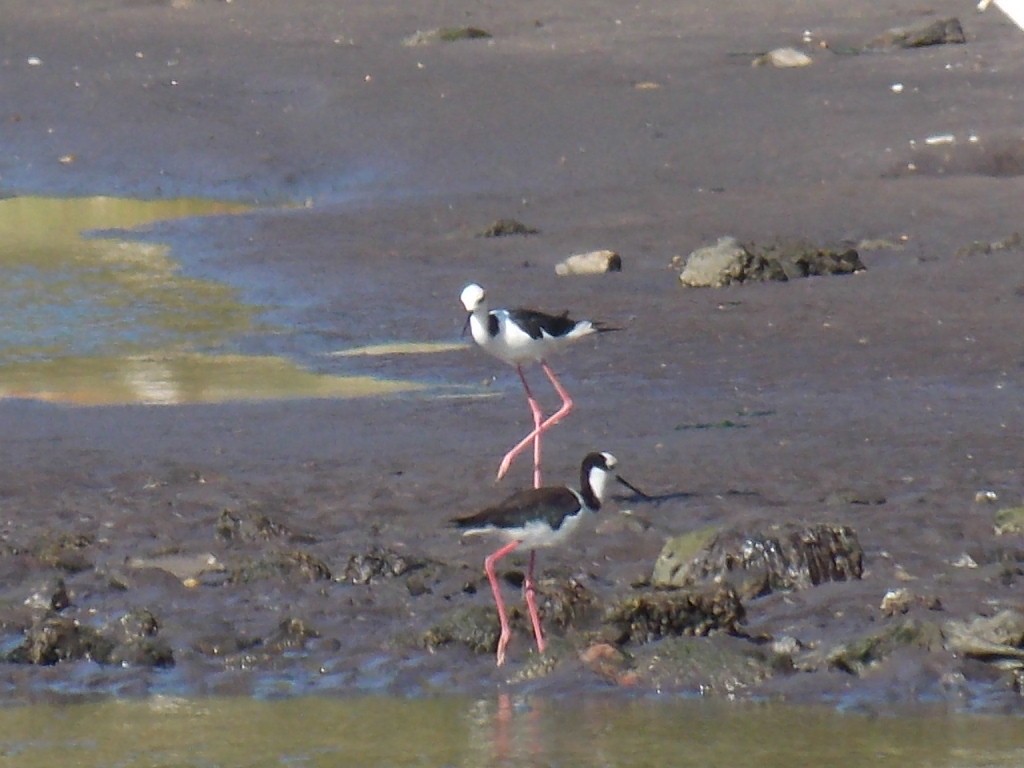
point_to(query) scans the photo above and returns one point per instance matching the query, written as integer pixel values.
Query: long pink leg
(539, 429)
(489, 563)
(531, 603)
(538, 417)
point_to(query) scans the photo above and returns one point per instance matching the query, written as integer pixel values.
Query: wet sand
(902, 382)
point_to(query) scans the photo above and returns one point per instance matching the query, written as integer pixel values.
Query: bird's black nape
(591, 460)
(465, 327)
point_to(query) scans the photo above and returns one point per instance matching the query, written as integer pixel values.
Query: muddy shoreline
(889, 401)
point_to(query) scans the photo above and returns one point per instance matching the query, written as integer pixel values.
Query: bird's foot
(506, 635)
(504, 467)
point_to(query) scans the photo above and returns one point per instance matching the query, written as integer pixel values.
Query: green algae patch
(91, 316)
(65, 293)
(1009, 521)
(182, 379)
(677, 553)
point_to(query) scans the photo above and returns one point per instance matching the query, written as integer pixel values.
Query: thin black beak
(466, 326)
(633, 488)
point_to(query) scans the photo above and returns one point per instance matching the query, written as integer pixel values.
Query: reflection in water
(596, 731)
(510, 730)
(100, 320)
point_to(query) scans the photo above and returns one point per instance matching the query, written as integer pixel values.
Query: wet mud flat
(300, 547)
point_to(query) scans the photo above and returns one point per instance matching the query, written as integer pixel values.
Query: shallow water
(505, 730)
(93, 318)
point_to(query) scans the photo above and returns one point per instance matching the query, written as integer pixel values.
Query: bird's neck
(478, 325)
(592, 488)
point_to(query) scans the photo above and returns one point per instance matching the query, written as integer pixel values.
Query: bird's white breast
(538, 535)
(511, 344)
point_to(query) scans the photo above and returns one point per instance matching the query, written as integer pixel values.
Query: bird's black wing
(535, 323)
(550, 505)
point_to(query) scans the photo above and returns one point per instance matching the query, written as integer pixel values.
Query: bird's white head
(473, 297)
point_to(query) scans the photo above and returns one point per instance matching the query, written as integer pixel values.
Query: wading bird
(518, 336)
(539, 517)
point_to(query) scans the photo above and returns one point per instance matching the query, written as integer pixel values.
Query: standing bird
(519, 336)
(539, 517)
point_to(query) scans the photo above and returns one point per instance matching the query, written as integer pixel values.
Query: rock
(507, 228)
(938, 32)
(880, 244)
(1009, 520)
(724, 263)
(843, 496)
(593, 263)
(676, 554)
(53, 639)
(994, 552)
(291, 638)
(132, 640)
(721, 665)
(798, 259)
(897, 601)
(783, 58)
(653, 615)
(999, 638)
(997, 156)
(445, 35)
(610, 663)
(784, 557)
(563, 603)
(1012, 242)
(142, 652)
(67, 552)
(560, 603)
(416, 586)
(626, 522)
(251, 526)
(293, 565)
(291, 635)
(475, 626)
(729, 262)
(224, 642)
(138, 623)
(451, 34)
(536, 666)
(51, 595)
(858, 656)
(964, 561)
(380, 563)
(786, 645)
(187, 568)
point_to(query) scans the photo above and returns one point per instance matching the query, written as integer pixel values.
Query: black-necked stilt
(519, 336)
(539, 517)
